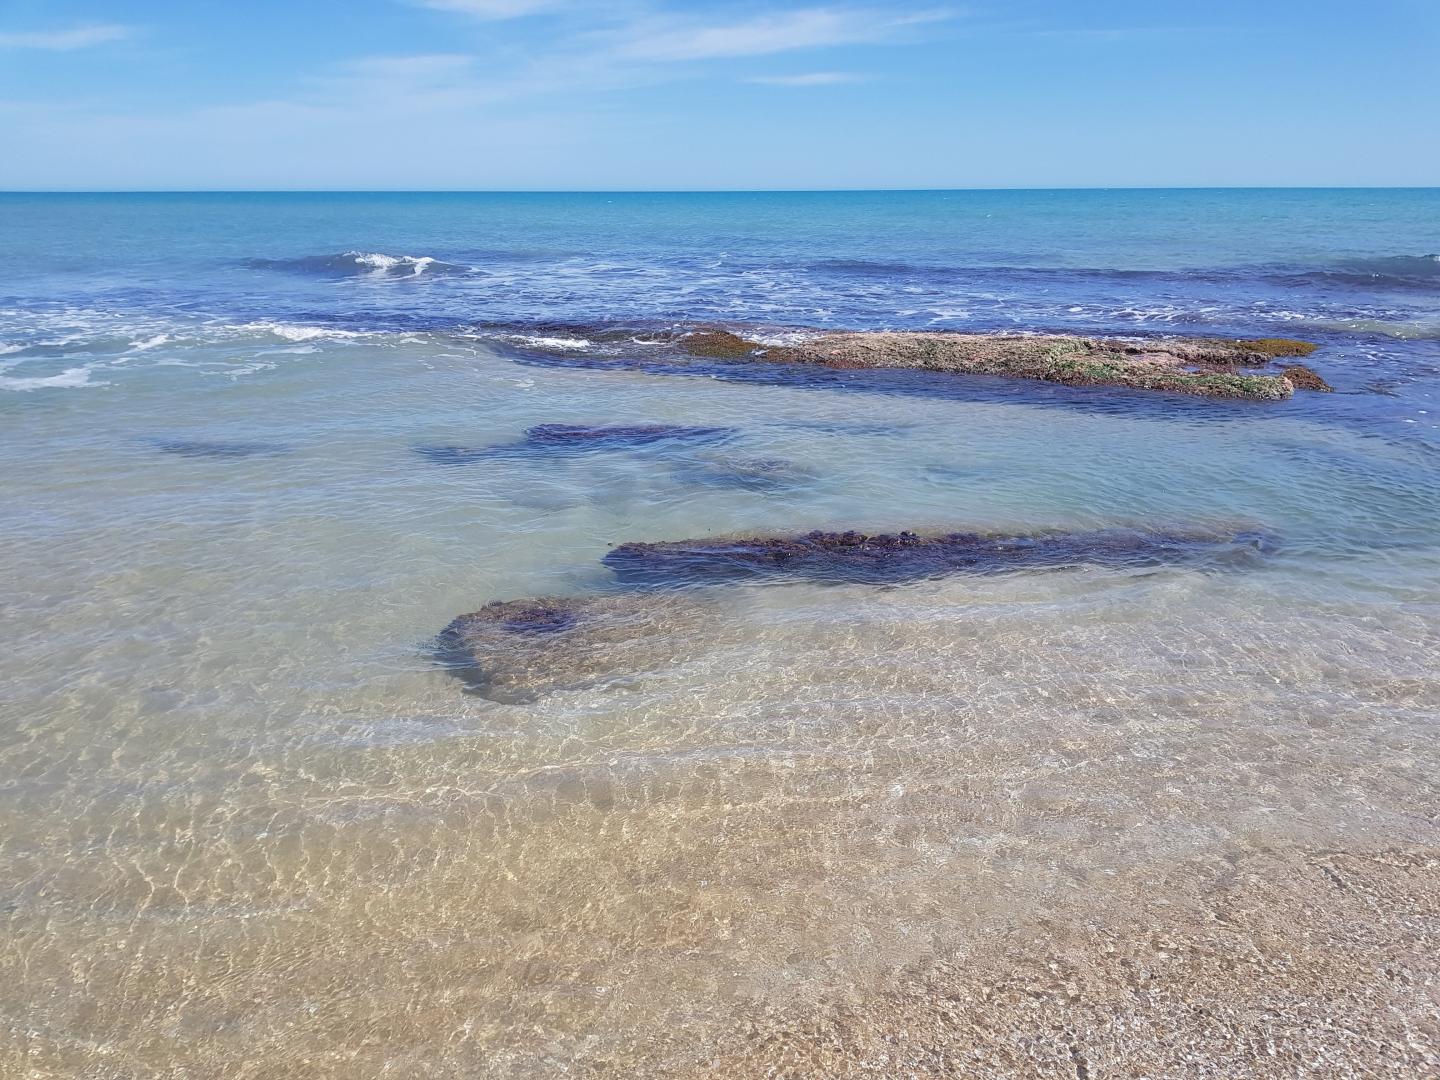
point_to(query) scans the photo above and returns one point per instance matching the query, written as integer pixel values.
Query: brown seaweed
(908, 556)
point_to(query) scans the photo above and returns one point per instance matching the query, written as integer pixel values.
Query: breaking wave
(68, 379)
(373, 264)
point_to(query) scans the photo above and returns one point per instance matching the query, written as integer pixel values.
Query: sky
(690, 95)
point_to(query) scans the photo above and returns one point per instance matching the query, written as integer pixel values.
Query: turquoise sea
(246, 816)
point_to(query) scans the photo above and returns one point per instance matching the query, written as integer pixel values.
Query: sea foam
(369, 264)
(69, 378)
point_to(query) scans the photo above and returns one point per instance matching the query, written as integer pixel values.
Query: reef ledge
(1203, 367)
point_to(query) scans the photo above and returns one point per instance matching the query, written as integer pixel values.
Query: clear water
(247, 823)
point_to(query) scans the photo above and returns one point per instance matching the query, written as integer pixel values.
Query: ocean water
(250, 826)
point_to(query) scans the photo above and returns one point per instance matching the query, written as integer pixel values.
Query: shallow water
(249, 824)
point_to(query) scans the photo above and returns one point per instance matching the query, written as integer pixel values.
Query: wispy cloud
(674, 39)
(76, 37)
(505, 83)
(494, 9)
(809, 78)
(623, 50)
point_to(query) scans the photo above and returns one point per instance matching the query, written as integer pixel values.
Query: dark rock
(906, 556)
(201, 448)
(745, 474)
(535, 616)
(582, 437)
(1305, 378)
(574, 438)
(518, 650)
(454, 455)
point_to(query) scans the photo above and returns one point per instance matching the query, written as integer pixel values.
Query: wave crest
(360, 264)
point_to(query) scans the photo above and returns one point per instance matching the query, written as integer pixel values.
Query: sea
(252, 824)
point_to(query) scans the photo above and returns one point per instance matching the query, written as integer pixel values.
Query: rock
(719, 345)
(745, 474)
(907, 556)
(1305, 378)
(574, 438)
(1278, 346)
(200, 448)
(454, 455)
(1205, 367)
(518, 650)
(581, 437)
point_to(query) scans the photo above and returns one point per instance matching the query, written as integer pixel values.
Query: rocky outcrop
(1305, 378)
(519, 650)
(1205, 367)
(907, 556)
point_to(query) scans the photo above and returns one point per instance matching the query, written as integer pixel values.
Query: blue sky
(670, 94)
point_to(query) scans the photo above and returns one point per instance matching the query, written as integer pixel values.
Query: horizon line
(710, 191)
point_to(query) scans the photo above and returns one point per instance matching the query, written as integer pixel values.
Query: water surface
(245, 817)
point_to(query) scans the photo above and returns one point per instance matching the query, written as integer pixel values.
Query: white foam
(380, 263)
(291, 332)
(783, 337)
(557, 343)
(71, 377)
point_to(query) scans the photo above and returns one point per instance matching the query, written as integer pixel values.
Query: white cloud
(632, 52)
(77, 37)
(494, 9)
(673, 39)
(810, 78)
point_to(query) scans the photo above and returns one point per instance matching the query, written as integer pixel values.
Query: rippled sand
(1030, 801)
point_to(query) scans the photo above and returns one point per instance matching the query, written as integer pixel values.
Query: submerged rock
(574, 438)
(907, 556)
(1205, 367)
(745, 474)
(1305, 378)
(579, 436)
(454, 455)
(203, 448)
(517, 650)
